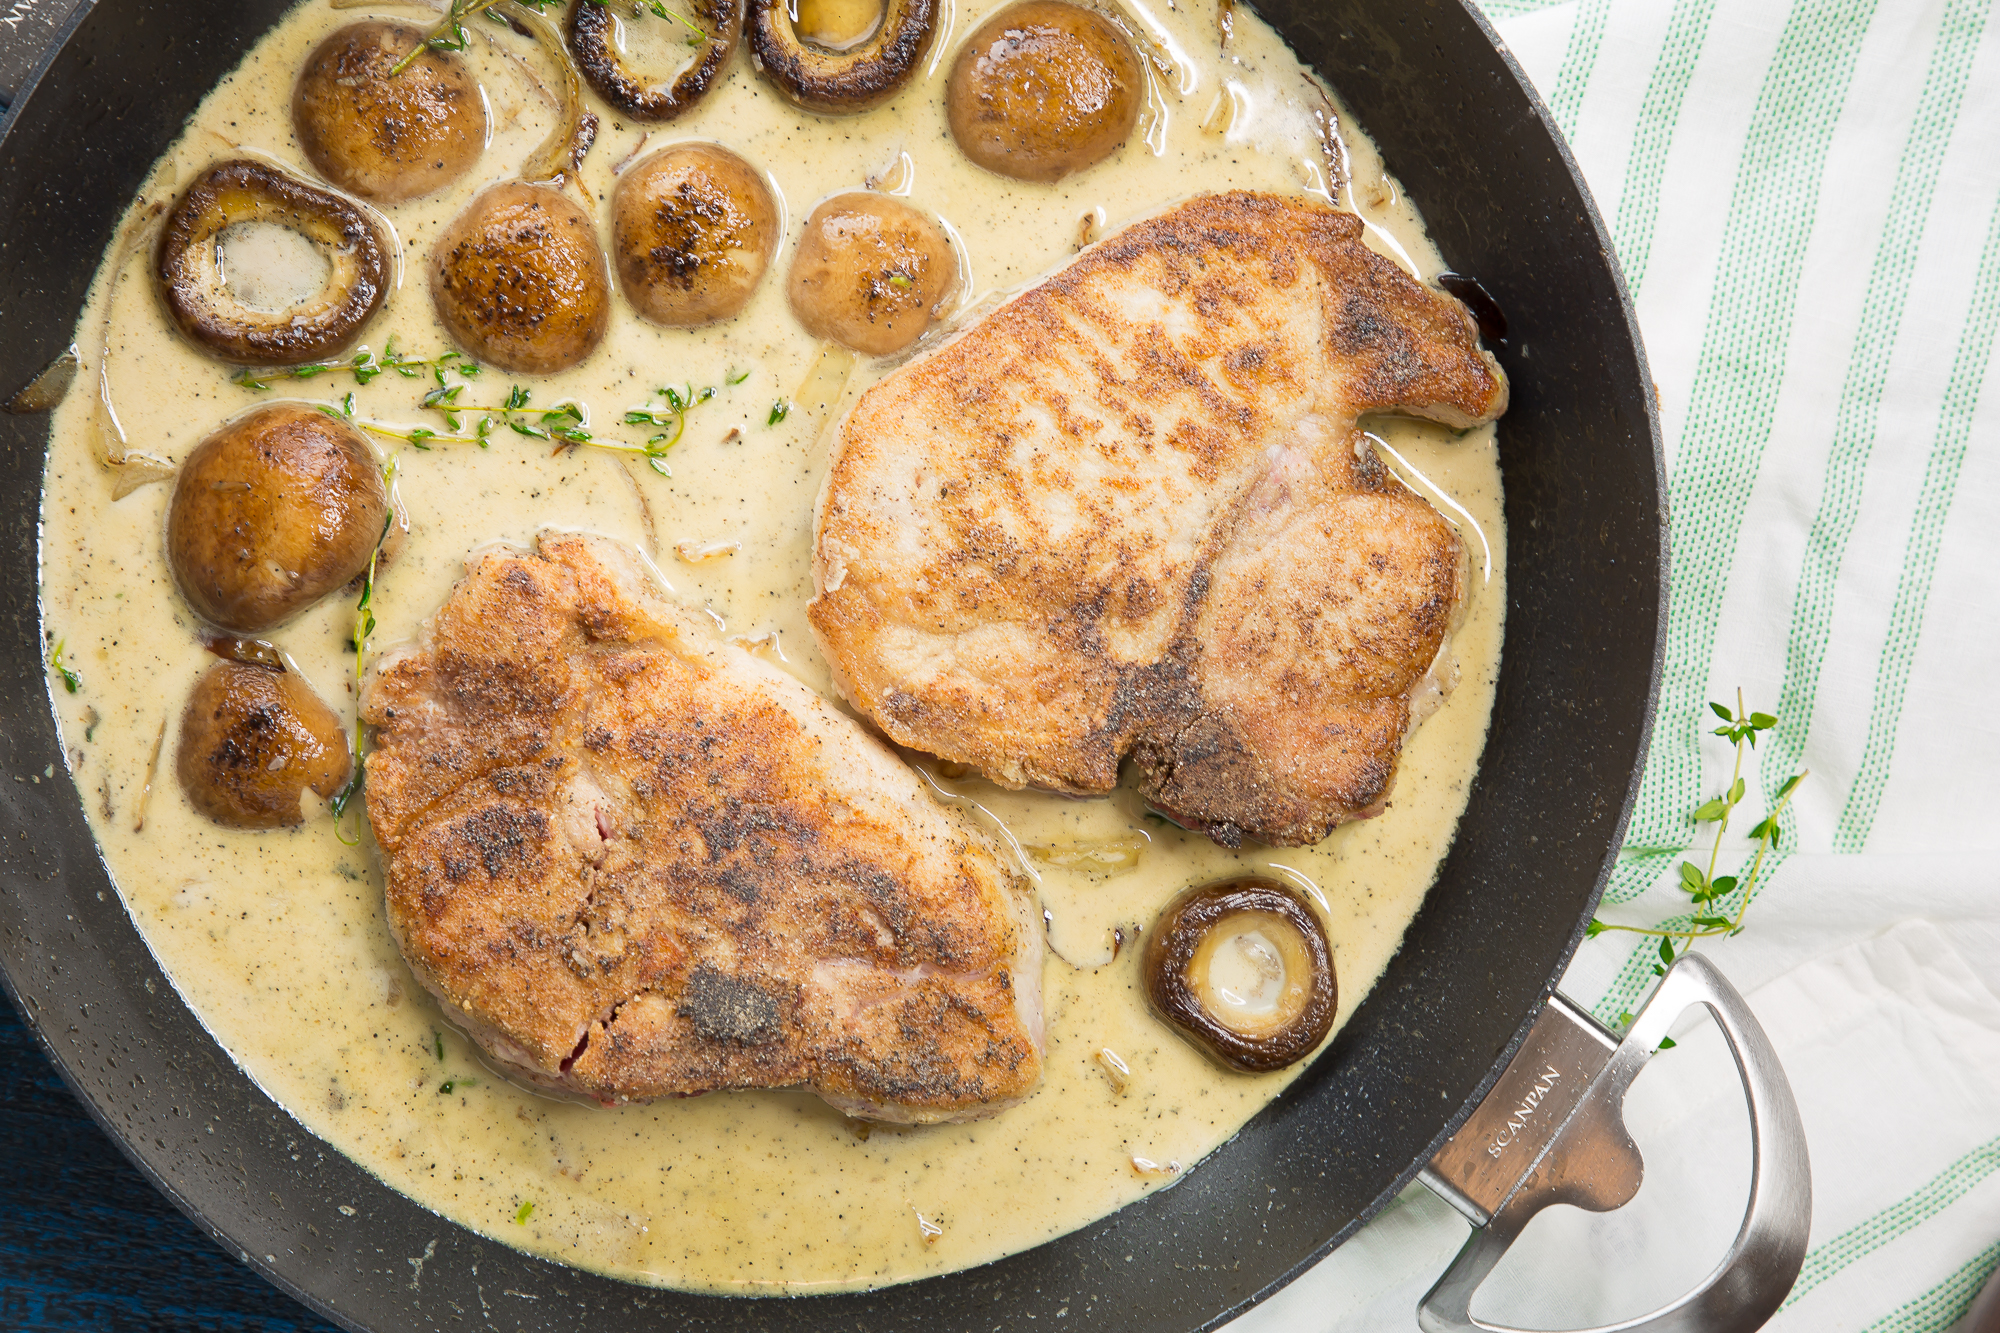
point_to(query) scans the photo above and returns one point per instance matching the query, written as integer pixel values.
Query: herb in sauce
(450, 33)
(696, 36)
(71, 681)
(364, 625)
(363, 365)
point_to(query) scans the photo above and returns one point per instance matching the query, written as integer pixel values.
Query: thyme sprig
(1707, 889)
(564, 423)
(696, 34)
(364, 625)
(364, 366)
(450, 33)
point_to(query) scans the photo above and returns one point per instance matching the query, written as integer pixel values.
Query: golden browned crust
(1131, 513)
(639, 863)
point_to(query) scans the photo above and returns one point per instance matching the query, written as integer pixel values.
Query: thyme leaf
(71, 681)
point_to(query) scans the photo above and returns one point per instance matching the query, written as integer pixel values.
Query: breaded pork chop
(1131, 513)
(637, 862)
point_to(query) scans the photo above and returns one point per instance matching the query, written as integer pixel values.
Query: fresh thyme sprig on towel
(1709, 890)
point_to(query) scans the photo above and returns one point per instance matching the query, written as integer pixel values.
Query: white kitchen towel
(1805, 198)
(1892, 1046)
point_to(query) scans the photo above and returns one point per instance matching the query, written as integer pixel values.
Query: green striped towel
(1805, 197)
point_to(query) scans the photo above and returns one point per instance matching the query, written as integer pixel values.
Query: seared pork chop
(636, 862)
(1131, 512)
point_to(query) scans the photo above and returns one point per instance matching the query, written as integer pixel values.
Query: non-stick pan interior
(1585, 509)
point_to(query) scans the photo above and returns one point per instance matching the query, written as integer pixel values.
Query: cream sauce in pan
(277, 940)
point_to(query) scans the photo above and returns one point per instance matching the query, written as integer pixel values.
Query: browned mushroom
(871, 273)
(692, 230)
(1042, 89)
(519, 280)
(840, 72)
(254, 737)
(271, 513)
(196, 290)
(593, 41)
(381, 137)
(1242, 968)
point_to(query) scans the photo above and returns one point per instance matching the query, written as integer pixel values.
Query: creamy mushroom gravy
(277, 940)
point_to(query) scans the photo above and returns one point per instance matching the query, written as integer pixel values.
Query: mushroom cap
(188, 267)
(693, 228)
(253, 739)
(871, 273)
(381, 137)
(520, 282)
(1043, 88)
(271, 513)
(1181, 953)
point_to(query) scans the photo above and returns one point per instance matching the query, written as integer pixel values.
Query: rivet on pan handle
(1553, 1131)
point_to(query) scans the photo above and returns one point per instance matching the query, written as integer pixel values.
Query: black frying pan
(1586, 519)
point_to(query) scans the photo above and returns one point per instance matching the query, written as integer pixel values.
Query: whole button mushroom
(254, 737)
(693, 228)
(871, 273)
(1042, 89)
(271, 513)
(196, 290)
(383, 136)
(1242, 968)
(519, 280)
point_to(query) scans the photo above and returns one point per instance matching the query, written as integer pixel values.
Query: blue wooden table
(87, 1245)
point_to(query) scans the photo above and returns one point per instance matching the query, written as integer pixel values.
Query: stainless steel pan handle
(1553, 1131)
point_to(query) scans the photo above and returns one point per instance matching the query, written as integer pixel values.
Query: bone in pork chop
(1131, 512)
(636, 862)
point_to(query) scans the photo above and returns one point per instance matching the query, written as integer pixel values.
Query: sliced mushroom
(871, 273)
(385, 137)
(841, 81)
(196, 291)
(692, 228)
(254, 737)
(520, 282)
(1042, 89)
(592, 41)
(1242, 968)
(271, 513)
